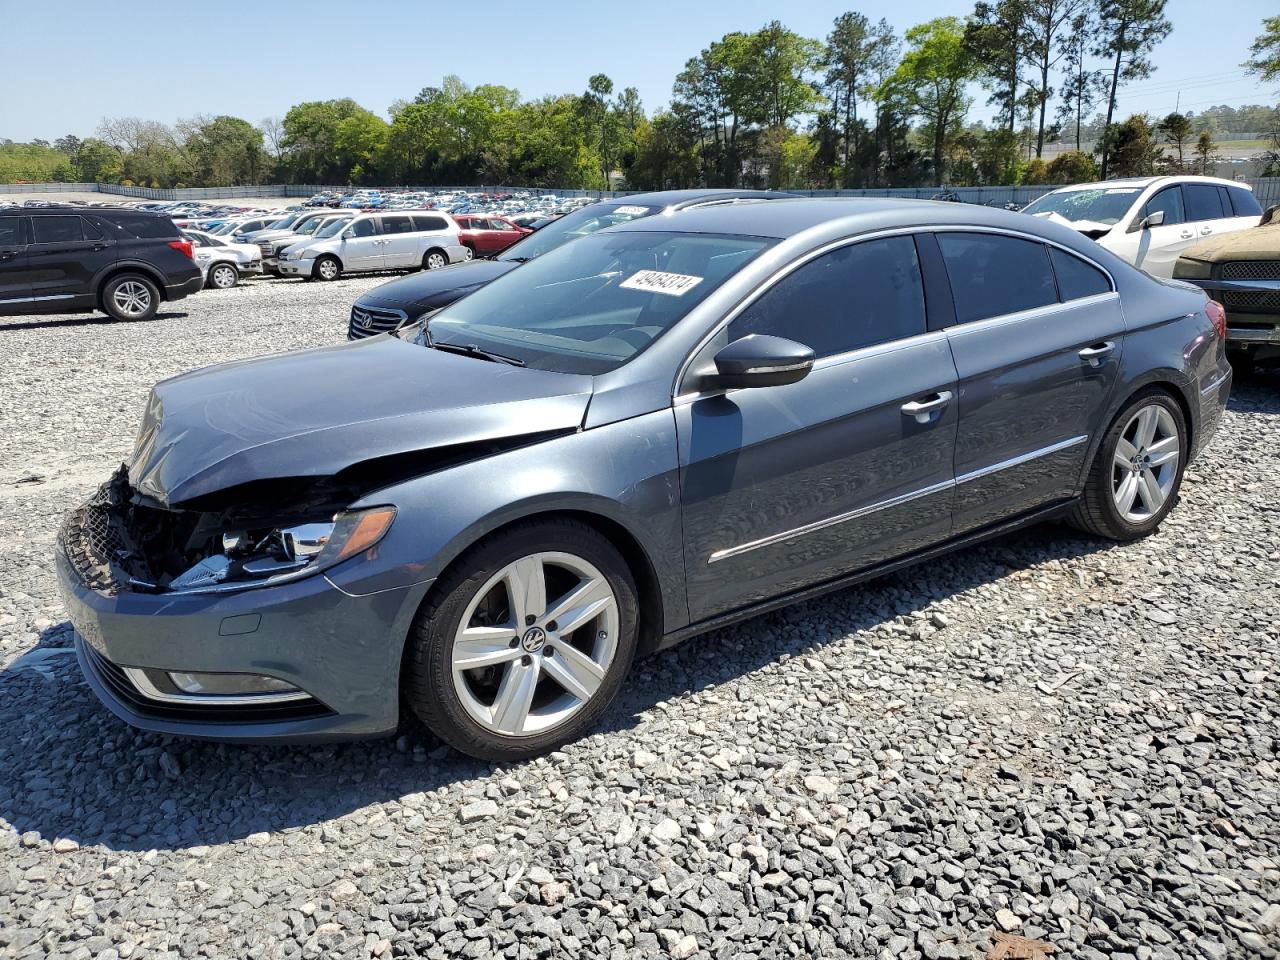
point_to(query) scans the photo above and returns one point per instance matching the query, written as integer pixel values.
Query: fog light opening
(229, 684)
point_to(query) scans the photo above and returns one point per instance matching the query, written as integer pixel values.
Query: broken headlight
(257, 558)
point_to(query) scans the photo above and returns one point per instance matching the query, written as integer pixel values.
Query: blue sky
(165, 61)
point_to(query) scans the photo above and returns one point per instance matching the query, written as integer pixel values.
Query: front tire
(223, 276)
(327, 268)
(130, 296)
(1137, 470)
(524, 642)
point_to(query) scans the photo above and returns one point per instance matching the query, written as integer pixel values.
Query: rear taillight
(1218, 315)
(183, 247)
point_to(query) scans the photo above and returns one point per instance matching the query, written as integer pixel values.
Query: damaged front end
(121, 540)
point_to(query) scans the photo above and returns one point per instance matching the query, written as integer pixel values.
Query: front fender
(625, 472)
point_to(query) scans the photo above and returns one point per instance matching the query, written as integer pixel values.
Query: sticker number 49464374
(656, 281)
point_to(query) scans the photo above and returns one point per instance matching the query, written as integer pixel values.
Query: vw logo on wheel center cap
(533, 640)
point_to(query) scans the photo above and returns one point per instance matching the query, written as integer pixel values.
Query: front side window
(362, 228)
(591, 306)
(853, 297)
(993, 275)
(57, 229)
(10, 231)
(1168, 201)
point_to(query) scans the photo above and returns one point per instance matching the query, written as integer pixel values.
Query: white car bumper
(297, 268)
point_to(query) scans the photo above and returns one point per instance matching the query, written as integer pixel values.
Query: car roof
(65, 209)
(680, 198)
(1141, 182)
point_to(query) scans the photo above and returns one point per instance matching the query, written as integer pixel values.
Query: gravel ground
(1048, 736)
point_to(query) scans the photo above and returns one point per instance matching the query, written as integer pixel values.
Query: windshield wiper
(471, 350)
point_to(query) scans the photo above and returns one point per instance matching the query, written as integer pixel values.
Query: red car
(487, 235)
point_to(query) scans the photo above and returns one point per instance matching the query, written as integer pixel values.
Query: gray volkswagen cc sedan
(656, 430)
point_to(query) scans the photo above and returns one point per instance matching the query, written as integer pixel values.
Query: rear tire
(434, 260)
(1137, 470)
(539, 683)
(223, 276)
(327, 268)
(130, 296)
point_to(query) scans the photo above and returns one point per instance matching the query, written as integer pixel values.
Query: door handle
(1097, 355)
(1187, 234)
(923, 410)
(8, 254)
(1204, 231)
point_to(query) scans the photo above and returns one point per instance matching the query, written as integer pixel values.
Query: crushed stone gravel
(1064, 739)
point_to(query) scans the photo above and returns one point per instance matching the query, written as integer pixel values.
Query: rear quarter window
(1077, 279)
(1243, 202)
(144, 228)
(429, 223)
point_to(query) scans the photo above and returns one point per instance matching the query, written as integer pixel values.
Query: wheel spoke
(484, 647)
(527, 590)
(580, 605)
(1149, 490)
(574, 670)
(1163, 451)
(1146, 431)
(1125, 452)
(515, 697)
(1127, 492)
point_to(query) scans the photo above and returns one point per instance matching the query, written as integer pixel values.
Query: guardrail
(48, 188)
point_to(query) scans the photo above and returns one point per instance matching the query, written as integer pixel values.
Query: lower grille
(367, 321)
(1261, 300)
(122, 689)
(1250, 270)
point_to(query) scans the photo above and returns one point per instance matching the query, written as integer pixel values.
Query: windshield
(284, 222)
(309, 226)
(1103, 205)
(224, 229)
(331, 229)
(591, 306)
(575, 225)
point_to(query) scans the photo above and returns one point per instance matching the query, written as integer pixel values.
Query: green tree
(666, 153)
(846, 62)
(1045, 23)
(1177, 132)
(310, 140)
(1132, 147)
(359, 142)
(1265, 59)
(1206, 154)
(97, 162)
(998, 156)
(225, 151)
(994, 35)
(1072, 166)
(1128, 30)
(932, 77)
(1082, 85)
(778, 70)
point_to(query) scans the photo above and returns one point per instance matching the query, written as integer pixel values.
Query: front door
(784, 487)
(1156, 249)
(15, 276)
(65, 255)
(362, 247)
(1036, 369)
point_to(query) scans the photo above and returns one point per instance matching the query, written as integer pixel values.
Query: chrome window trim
(783, 271)
(817, 525)
(149, 690)
(1213, 384)
(1036, 313)
(55, 296)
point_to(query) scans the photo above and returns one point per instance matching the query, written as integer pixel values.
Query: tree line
(861, 107)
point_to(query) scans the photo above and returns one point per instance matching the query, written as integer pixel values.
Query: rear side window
(1076, 278)
(1243, 202)
(144, 228)
(429, 223)
(853, 297)
(1203, 202)
(397, 225)
(992, 275)
(10, 231)
(56, 229)
(91, 230)
(1168, 200)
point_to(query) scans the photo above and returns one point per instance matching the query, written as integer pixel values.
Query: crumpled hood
(1080, 226)
(436, 288)
(312, 413)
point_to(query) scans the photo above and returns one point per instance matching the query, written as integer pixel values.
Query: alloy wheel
(1145, 464)
(224, 277)
(435, 261)
(132, 298)
(328, 270)
(535, 644)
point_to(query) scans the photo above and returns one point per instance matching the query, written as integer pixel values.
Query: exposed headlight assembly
(258, 558)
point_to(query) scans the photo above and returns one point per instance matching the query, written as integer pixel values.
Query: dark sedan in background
(655, 430)
(396, 303)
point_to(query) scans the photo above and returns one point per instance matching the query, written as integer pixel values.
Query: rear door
(783, 487)
(399, 242)
(15, 278)
(65, 254)
(1209, 210)
(1036, 369)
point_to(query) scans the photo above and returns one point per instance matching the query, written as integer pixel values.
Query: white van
(424, 240)
(1150, 221)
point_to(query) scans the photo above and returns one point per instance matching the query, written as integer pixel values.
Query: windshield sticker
(655, 281)
(1113, 191)
(631, 211)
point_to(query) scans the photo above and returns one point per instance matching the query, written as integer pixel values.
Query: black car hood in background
(312, 413)
(436, 288)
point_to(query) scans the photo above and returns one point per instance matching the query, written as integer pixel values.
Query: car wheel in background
(130, 296)
(434, 260)
(223, 276)
(1133, 482)
(471, 252)
(327, 268)
(524, 641)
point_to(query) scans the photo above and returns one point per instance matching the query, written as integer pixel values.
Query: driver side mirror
(758, 360)
(1153, 219)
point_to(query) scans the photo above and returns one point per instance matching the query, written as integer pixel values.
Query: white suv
(1150, 221)
(376, 241)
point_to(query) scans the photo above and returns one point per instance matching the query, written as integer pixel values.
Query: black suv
(65, 259)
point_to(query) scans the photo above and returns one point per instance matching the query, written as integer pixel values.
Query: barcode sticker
(655, 281)
(631, 211)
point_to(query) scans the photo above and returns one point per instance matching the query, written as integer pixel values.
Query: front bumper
(297, 268)
(342, 649)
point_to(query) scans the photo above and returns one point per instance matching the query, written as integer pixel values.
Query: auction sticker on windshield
(631, 211)
(655, 281)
